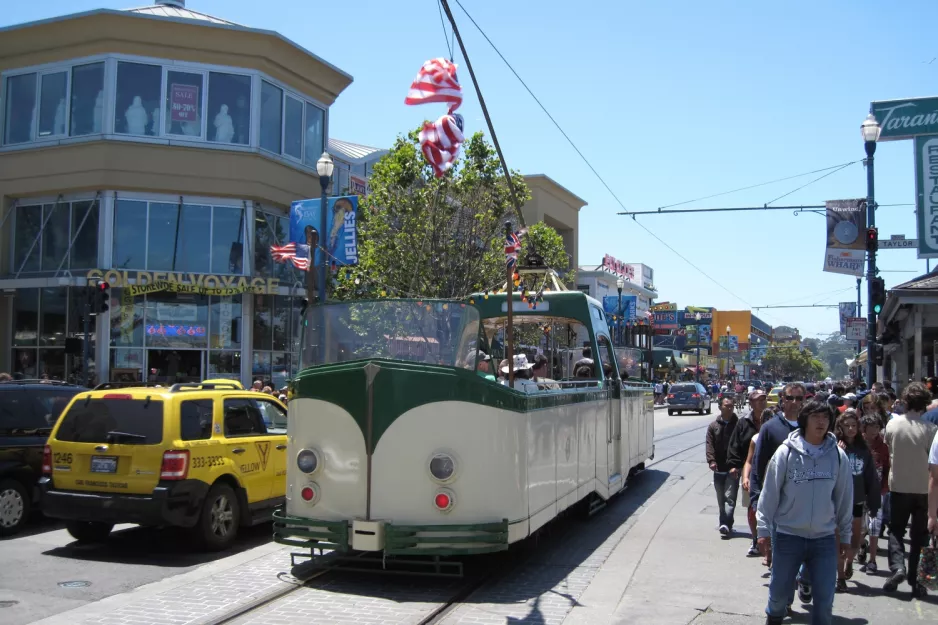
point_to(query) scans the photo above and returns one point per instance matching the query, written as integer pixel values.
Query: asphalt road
(44, 572)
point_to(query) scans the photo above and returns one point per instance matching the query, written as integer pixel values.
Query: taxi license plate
(104, 464)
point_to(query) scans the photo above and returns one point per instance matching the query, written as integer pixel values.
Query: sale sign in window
(184, 103)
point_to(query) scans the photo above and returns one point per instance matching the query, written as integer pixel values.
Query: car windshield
(111, 420)
(429, 331)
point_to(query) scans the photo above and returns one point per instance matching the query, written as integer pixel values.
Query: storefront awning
(670, 358)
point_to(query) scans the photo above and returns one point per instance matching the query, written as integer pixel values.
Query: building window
(227, 239)
(127, 365)
(225, 322)
(184, 104)
(276, 318)
(224, 365)
(20, 115)
(87, 111)
(229, 108)
(46, 248)
(52, 110)
(271, 117)
(293, 128)
(315, 119)
(139, 89)
(126, 319)
(272, 230)
(176, 320)
(42, 319)
(26, 317)
(130, 235)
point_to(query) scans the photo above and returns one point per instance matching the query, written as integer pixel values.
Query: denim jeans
(906, 507)
(727, 487)
(819, 556)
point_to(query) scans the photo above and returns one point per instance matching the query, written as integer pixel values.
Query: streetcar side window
(607, 358)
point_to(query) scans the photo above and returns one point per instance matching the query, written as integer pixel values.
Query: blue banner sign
(341, 238)
(611, 306)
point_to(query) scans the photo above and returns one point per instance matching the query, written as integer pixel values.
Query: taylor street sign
(904, 119)
(898, 244)
(926, 195)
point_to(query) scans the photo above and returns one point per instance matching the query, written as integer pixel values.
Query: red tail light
(696, 395)
(118, 396)
(47, 461)
(175, 465)
(671, 396)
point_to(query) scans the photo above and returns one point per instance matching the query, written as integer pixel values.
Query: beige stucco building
(154, 144)
(557, 207)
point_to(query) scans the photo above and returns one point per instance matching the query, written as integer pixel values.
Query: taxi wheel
(14, 506)
(89, 531)
(218, 525)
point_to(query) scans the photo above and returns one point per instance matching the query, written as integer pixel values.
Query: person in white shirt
(933, 487)
(522, 374)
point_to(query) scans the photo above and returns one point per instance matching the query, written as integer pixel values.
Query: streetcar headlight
(442, 467)
(307, 461)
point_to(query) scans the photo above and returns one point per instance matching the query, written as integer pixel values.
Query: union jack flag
(436, 82)
(512, 248)
(288, 252)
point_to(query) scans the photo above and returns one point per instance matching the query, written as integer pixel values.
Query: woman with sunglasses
(866, 485)
(807, 496)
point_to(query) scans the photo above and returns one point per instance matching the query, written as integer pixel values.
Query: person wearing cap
(482, 362)
(739, 449)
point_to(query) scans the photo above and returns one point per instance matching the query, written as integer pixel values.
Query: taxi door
(275, 418)
(248, 446)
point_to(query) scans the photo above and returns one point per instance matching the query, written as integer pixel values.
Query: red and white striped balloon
(440, 141)
(436, 82)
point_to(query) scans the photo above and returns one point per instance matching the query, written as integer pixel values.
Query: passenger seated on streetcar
(539, 370)
(583, 372)
(586, 359)
(482, 362)
(522, 374)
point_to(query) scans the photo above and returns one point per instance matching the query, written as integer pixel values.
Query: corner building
(157, 145)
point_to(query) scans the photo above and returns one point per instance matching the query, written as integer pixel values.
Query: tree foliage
(792, 361)
(834, 351)
(422, 236)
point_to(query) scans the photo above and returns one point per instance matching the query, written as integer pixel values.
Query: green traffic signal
(877, 309)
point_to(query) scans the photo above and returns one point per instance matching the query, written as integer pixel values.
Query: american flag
(288, 252)
(436, 82)
(512, 247)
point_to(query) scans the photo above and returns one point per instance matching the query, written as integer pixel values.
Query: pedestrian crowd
(825, 475)
(267, 388)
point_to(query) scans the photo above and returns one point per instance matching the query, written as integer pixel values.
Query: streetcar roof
(568, 304)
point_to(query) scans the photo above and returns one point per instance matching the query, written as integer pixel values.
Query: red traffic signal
(103, 286)
(872, 239)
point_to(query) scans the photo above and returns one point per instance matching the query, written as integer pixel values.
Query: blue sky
(670, 101)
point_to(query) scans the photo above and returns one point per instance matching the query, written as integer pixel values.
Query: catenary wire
(593, 169)
(812, 182)
(449, 46)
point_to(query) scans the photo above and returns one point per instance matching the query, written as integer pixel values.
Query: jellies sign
(341, 238)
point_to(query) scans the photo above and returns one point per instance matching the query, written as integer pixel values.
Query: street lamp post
(697, 317)
(727, 351)
(870, 130)
(620, 283)
(324, 167)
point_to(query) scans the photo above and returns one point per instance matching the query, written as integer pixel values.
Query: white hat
(520, 362)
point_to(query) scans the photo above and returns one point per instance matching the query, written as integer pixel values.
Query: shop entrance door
(171, 366)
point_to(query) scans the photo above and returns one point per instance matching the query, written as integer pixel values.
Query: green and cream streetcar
(403, 442)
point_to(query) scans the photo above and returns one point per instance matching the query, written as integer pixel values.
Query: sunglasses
(794, 397)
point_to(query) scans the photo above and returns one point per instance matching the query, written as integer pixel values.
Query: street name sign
(898, 244)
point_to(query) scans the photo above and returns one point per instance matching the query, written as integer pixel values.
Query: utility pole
(86, 346)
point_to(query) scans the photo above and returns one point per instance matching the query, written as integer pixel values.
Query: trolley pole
(511, 302)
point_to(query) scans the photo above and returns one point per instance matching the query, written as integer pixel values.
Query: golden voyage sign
(143, 282)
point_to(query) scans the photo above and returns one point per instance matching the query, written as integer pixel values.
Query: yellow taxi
(774, 396)
(210, 457)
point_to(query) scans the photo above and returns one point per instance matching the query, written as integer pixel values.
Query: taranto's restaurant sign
(143, 282)
(904, 119)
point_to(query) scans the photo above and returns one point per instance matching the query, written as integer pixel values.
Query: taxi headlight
(307, 461)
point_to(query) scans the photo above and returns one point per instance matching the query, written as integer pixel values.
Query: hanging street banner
(612, 306)
(846, 245)
(341, 239)
(847, 310)
(926, 195)
(856, 329)
(904, 119)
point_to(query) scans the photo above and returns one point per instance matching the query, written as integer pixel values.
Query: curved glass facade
(121, 97)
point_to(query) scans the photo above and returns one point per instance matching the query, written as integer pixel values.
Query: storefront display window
(293, 128)
(52, 108)
(137, 110)
(227, 239)
(272, 230)
(224, 365)
(54, 307)
(263, 321)
(176, 320)
(229, 108)
(126, 319)
(52, 363)
(271, 117)
(20, 96)
(225, 322)
(315, 120)
(281, 322)
(127, 365)
(184, 104)
(275, 323)
(26, 316)
(87, 112)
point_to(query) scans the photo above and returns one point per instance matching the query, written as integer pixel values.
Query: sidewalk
(673, 568)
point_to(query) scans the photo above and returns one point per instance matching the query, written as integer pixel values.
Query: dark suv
(28, 410)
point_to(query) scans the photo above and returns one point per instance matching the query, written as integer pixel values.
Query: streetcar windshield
(428, 331)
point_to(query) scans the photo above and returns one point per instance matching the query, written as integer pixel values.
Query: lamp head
(870, 129)
(325, 165)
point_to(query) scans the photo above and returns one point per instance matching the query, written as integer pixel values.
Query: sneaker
(724, 531)
(841, 586)
(863, 552)
(753, 551)
(871, 568)
(804, 592)
(892, 584)
(919, 592)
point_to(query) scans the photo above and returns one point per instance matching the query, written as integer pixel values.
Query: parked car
(208, 457)
(774, 396)
(688, 396)
(28, 411)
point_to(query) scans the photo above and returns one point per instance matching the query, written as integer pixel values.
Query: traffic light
(877, 354)
(872, 239)
(101, 298)
(877, 294)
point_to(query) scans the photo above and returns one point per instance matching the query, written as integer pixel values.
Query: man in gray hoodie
(807, 494)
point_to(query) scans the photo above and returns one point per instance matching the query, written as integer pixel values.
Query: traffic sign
(898, 244)
(856, 328)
